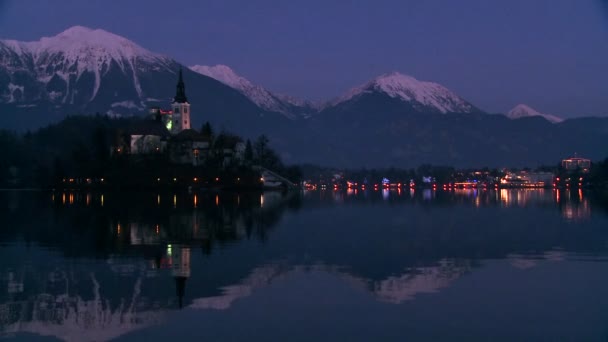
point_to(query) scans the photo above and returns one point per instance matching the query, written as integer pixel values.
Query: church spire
(180, 95)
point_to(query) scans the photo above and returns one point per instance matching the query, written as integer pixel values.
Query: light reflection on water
(573, 204)
(99, 266)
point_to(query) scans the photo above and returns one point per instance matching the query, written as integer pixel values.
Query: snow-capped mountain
(83, 70)
(423, 96)
(393, 119)
(522, 111)
(71, 68)
(286, 105)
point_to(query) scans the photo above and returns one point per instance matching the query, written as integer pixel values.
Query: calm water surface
(507, 265)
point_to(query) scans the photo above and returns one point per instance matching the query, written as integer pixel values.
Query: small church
(170, 131)
(176, 119)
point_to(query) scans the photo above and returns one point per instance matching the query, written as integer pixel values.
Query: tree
(207, 130)
(101, 147)
(265, 156)
(294, 174)
(59, 171)
(81, 158)
(216, 153)
(248, 155)
(261, 149)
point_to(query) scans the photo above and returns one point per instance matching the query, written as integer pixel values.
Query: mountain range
(393, 119)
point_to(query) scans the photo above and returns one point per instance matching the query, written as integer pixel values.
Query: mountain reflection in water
(96, 266)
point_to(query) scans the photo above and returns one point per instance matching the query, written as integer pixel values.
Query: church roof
(147, 127)
(180, 94)
(190, 135)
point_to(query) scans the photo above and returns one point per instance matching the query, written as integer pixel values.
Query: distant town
(573, 172)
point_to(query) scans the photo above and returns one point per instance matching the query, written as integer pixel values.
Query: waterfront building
(576, 164)
(146, 137)
(189, 147)
(527, 179)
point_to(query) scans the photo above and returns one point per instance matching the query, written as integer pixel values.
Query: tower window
(185, 110)
(176, 110)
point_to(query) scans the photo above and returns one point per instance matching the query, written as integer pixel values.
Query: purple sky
(549, 54)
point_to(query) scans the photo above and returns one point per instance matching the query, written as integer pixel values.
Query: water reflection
(573, 204)
(121, 247)
(97, 266)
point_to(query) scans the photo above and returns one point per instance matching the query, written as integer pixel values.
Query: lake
(417, 265)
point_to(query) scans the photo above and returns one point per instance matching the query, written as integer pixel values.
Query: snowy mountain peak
(522, 110)
(88, 48)
(257, 94)
(77, 30)
(80, 41)
(407, 88)
(225, 75)
(396, 76)
(56, 65)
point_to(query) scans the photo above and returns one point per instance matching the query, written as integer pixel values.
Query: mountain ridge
(523, 110)
(392, 119)
(259, 95)
(422, 94)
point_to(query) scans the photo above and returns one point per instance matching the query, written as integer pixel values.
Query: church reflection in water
(100, 259)
(102, 265)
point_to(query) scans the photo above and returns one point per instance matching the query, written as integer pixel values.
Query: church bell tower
(181, 108)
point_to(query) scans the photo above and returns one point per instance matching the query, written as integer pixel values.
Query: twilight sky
(549, 54)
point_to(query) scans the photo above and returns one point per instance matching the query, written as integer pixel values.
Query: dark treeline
(70, 146)
(82, 147)
(599, 173)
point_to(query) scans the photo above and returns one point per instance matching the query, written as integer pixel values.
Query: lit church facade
(169, 130)
(178, 119)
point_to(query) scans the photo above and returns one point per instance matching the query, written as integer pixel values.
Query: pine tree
(248, 155)
(207, 130)
(261, 149)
